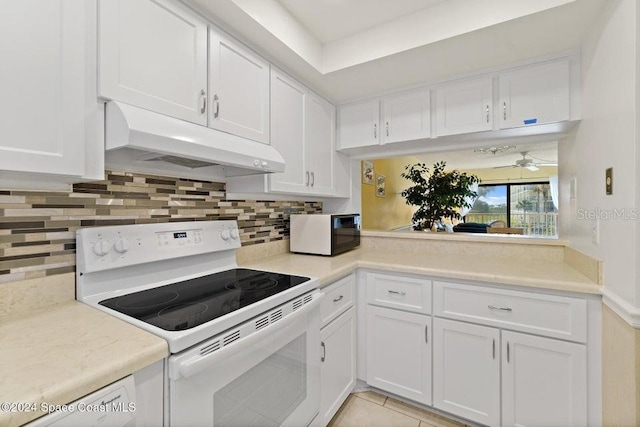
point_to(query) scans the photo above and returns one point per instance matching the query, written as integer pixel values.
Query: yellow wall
(502, 175)
(386, 213)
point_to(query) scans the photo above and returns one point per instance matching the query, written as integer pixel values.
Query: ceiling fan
(527, 163)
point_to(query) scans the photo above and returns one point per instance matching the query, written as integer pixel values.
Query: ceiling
(545, 152)
(353, 49)
(329, 20)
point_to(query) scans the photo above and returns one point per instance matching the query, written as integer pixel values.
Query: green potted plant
(438, 195)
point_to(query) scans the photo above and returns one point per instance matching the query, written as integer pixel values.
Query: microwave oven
(324, 234)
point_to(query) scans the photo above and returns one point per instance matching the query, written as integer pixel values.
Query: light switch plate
(573, 188)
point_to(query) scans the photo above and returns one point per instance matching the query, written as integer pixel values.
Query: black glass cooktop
(190, 303)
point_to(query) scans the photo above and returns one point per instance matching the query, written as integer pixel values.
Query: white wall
(606, 137)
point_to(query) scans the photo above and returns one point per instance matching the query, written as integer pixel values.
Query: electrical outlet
(595, 231)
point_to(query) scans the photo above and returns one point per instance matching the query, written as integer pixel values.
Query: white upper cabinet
(464, 107)
(544, 381)
(359, 124)
(535, 95)
(320, 144)
(153, 54)
(238, 89)
(406, 116)
(303, 129)
(42, 81)
(288, 132)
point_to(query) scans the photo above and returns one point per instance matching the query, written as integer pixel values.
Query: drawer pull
(391, 291)
(494, 349)
(508, 353)
(338, 299)
(426, 334)
(492, 307)
(324, 351)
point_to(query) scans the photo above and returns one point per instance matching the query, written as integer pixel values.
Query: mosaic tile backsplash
(37, 229)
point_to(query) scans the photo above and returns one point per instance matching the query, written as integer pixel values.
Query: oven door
(345, 233)
(269, 378)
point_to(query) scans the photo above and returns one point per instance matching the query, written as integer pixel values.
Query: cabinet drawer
(550, 315)
(404, 293)
(338, 297)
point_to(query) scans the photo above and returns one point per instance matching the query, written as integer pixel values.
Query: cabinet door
(42, 114)
(338, 368)
(399, 353)
(320, 144)
(288, 132)
(153, 54)
(358, 124)
(238, 89)
(544, 381)
(534, 95)
(464, 107)
(406, 117)
(466, 370)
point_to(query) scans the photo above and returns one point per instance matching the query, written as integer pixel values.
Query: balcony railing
(533, 223)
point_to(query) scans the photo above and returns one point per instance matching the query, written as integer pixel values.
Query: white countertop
(58, 354)
(508, 271)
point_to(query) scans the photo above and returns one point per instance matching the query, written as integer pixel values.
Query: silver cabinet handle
(338, 299)
(203, 95)
(492, 307)
(426, 333)
(324, 351)
(387, 128)
(313, 178)
(487, 113)
(504, 111)
(217, 101)
(375, 130)
(494, 349)
(508, 352)
(391, 291)
(307, 184)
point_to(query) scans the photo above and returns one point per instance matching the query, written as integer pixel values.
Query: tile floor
(370, 409)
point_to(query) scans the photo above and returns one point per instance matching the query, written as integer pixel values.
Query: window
(527, 206)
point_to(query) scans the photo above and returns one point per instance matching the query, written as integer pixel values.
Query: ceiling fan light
(532, 168)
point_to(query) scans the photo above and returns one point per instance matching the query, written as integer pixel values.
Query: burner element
(252, 284)
(139, 301)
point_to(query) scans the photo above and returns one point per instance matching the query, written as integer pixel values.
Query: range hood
(139, 140)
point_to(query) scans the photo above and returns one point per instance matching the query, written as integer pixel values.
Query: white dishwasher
(111, 406)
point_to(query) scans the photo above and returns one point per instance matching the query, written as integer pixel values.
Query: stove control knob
(225, 234)
(234, 233)
(121, 246)
(256, 163)
(102, 247)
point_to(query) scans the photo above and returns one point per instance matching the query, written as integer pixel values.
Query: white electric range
(245, 344)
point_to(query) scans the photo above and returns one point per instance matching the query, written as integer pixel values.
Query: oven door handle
(193, 365)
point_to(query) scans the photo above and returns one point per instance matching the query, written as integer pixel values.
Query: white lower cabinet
(399, 353)
(466, 370)
(338, 368)
(544, 381)
(494, 356)
(338, 346)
